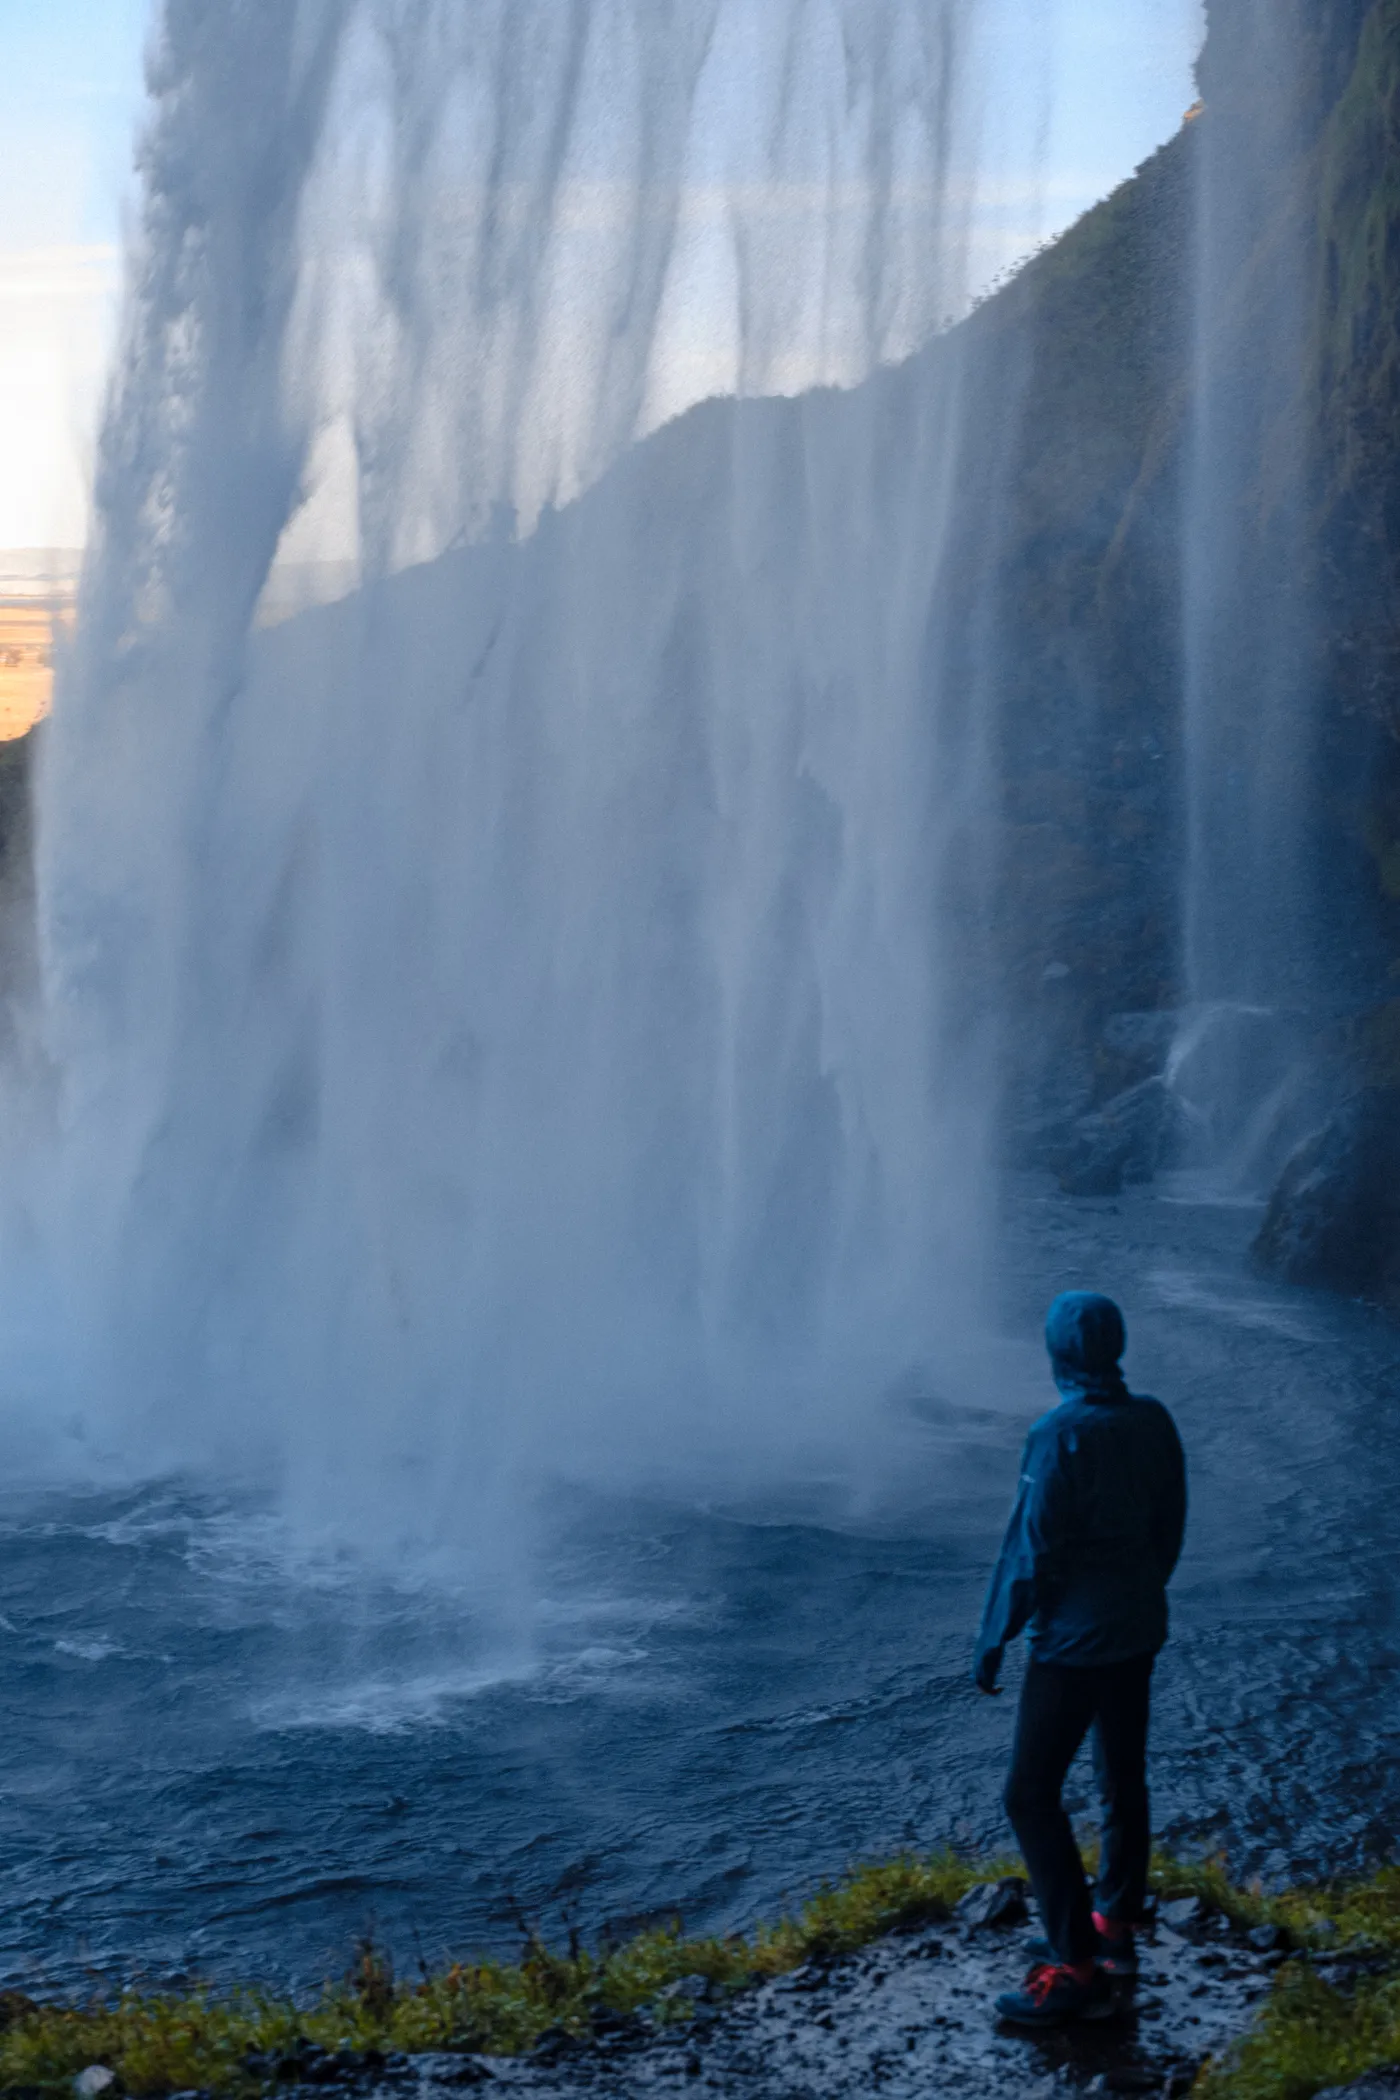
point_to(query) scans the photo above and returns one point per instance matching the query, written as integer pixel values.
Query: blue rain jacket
(1100, 1513)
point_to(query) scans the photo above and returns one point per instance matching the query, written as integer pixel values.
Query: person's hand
(986, 1672)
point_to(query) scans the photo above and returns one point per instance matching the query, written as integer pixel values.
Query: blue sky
(72, 86)
(72, 81)
(1109, 84)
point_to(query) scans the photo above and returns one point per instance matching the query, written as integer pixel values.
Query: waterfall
(1253, 910)
(525, 1018)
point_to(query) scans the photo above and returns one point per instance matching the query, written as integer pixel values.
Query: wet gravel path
(908, 2018)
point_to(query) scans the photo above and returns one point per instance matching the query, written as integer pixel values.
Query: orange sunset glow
(26, 661)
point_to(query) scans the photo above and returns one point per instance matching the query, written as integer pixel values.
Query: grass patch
(1362, 1915)
(165, 2043)
(1308, 2036)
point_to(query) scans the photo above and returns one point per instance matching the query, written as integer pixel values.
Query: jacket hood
(1085, 1335)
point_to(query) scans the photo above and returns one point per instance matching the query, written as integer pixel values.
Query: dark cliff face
(1358, 382)
(1088, 605)
(1280, 64)
(1293, 173)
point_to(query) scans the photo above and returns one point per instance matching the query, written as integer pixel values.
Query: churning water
(224, 1765)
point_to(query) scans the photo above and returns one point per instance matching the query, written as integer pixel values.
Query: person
(1093, 1539)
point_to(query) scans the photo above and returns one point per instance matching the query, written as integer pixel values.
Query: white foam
(94, 1650)
(382, 1705)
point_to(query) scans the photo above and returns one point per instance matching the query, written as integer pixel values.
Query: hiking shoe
(1116, 1957)
(1053, 1996)
(1117, 1954)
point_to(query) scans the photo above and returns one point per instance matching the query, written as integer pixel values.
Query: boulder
(694, 1990)
(1183, 1913)
(1125, 1141)
(1134, 1047)
(441, 2067)
(994, 1903)
(1333, 1220)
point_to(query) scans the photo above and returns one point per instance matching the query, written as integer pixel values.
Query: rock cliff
(1097, 345)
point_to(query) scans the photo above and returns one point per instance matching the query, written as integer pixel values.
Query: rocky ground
(911, 2015)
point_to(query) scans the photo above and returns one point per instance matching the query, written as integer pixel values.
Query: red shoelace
(1042, 1981)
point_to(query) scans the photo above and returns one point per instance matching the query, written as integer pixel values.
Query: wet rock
(1179, 2081)
(813, 1976)
(1125, 1141)
(308, 2064)
(1268, 1939)
(440, 2067)
(1333, 1220)
(1381, 2084)
(1354, 1964)
(695, 1989)
(557, 2043)
(608, 2025)
(1135, 1047)
(994, 1903)
(928, 1946)
(94, 2080)
(1184, 1913)
(305, 2063)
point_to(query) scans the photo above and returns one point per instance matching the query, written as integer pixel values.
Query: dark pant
(1059, 1705)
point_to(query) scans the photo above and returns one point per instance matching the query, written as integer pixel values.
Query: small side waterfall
(1255, 969)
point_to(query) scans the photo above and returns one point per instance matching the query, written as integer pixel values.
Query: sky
(1117, 85)
(72, 86)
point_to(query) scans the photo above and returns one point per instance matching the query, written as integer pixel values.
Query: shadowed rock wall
(1089, 585)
